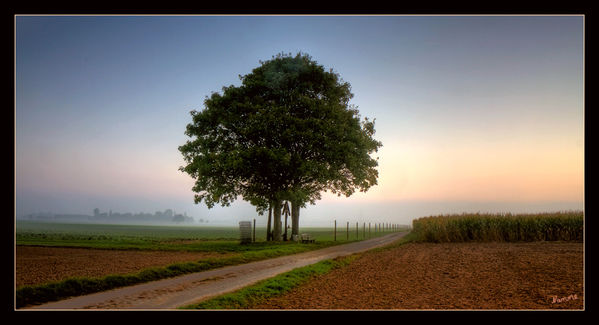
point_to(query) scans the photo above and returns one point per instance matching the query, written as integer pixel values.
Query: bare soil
(38, 265)
(541, 275)
(188, 289)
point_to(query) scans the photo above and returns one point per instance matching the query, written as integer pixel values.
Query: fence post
(254, 239)
(348, 230)
(357, 232)
(335, 230)
(364, 230)
(369, 235)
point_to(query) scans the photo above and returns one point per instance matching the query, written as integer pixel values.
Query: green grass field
(187, 238)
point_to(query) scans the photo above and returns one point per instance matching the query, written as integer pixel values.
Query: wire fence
(340, 231)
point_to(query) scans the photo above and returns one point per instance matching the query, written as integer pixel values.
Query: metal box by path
(245, 232)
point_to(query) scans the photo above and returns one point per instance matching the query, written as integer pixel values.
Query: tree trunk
(277, 220)
(268, 228)
(295, 209)
(285, 233)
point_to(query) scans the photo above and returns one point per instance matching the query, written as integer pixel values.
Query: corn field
(558, 226)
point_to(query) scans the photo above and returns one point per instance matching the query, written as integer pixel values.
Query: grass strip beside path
(265, 289)
(78, 286)
(250, 296)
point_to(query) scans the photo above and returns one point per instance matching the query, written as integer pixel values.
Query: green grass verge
(263, 290)
(31, 295)
(255, 294)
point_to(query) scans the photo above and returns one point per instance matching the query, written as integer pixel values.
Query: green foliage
(559, 226)
(286, 133)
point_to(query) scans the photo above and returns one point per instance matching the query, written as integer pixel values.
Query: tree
(287, 133)
(178, 218)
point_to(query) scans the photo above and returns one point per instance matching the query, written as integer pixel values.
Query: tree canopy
(287, 132)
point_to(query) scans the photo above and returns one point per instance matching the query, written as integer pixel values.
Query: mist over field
(322, 214)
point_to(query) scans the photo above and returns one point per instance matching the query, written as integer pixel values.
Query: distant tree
(287, 133)
(179, 218)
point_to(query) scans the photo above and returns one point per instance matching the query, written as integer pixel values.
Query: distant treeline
(159, 217)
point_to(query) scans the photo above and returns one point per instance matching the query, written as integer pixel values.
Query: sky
(475, 113)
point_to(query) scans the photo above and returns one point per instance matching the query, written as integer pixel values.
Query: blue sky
(475, 112)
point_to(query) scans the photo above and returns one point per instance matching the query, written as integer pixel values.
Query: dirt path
(192, 288)
(541, 275)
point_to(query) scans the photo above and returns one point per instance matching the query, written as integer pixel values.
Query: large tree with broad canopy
(288, 132)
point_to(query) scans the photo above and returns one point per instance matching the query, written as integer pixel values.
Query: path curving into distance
(195, 287)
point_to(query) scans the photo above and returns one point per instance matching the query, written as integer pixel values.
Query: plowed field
(541, 275)
(37, 265)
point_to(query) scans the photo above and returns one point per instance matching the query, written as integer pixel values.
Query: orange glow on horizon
(503, 172)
